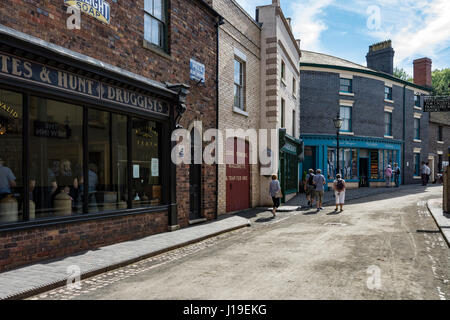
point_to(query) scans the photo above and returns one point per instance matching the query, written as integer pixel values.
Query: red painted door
(238, 176)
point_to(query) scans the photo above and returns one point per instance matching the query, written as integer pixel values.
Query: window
(416, 128)
(439, 133)
(417, 164)
(417, 100)
(388, 124)
(387, 93)
(283, 70)
(282, 113)
(440, 163)
(331, 163)
(239, 87)
(294, 87)
(346, 115)
(155, 22)
(346, 85)
(11, 178)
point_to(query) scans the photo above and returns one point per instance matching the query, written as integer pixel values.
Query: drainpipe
(218, 24)
(404, 135)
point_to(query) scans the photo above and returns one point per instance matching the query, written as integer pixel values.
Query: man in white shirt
(428, 173)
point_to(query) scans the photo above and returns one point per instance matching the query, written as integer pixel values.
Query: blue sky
(346, 28)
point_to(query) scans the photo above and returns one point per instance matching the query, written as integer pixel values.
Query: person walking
(275, 193)
(396, 172)
(309, 187)
(319, 181)
(423, 173)
(339, 192)
(428, 172)
(388, 175)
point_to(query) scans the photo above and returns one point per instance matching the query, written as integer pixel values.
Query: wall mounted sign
(40, 74)
(436, 103)
(99, 9)
(197, 71)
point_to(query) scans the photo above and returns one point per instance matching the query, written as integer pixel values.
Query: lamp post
(337, 124)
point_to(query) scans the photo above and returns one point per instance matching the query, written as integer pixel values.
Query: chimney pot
(422, 72)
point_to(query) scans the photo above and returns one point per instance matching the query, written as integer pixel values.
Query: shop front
(84, 153)
(362, 161)
(290, 151)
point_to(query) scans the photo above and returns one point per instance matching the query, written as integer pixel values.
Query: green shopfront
(362, 160)
(290, 152)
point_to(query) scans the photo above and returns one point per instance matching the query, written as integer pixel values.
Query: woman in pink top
(388, 175)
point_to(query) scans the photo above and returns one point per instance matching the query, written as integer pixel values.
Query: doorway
(363, 172)
(195, 176)
(238, 176)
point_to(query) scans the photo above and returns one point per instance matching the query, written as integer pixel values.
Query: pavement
(46, 275)
(442, 219)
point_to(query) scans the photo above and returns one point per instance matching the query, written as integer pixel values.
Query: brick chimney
(422, 72)
(381, 57)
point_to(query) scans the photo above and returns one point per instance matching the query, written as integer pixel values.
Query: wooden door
(238, 177)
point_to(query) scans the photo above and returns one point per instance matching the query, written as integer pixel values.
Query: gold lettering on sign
(62, 79)
(28, 71)
(8, 109)
(111, 93)
(5, 60)
(15, 67)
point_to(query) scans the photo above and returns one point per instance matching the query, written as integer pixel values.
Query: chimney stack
(381, 57)
(422, 72)
(289, 22)
(276, 2)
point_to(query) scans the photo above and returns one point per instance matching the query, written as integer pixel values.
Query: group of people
(314, 188)
(392, 173)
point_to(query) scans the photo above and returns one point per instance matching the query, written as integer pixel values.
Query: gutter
(404, 135)
(218, 24)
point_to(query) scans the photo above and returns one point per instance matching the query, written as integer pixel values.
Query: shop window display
(11, 186)
(331, 167)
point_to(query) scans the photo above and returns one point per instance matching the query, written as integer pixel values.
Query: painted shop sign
(37, 73)
(436, 103)
(289, 147)
(99, 9)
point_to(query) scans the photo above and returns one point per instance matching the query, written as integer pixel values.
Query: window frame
(350, 127)
(440, 133)
(283, 107)
(388, 125)
(417, 128)
(294, 85)
(388, 94)
(164, 35)
(349, 86)
(283, 71)
(417, 100)
(241, 86)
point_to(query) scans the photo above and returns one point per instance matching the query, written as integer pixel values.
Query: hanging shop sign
(37, 73)
(99, 9)
(436, 103)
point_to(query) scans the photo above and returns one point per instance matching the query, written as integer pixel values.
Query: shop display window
(331, 164)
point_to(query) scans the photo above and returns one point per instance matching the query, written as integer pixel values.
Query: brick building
(86, 122)
(382, 117)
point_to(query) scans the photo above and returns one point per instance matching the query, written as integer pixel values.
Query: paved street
(383, 246)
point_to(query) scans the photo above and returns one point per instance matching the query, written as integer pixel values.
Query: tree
(401, 73)
(441, 82)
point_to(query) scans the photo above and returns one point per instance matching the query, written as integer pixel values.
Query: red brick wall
(18, 248)
(192, 34)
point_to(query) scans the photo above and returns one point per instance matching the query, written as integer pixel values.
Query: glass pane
(147, 28)
(146, 162)
(148, 6)
(354, 164)
(11, 179)
(347, 169)
(56, 148)
(107, 166)
(331, 167)
(156, 31)
(158, 9)
(237, 72)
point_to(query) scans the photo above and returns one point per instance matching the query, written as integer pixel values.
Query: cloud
(308, 22)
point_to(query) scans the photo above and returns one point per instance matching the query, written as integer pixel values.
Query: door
(195, 178)
(238, 176)
(363, 172)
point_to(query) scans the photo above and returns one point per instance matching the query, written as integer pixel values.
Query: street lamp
(337, 124)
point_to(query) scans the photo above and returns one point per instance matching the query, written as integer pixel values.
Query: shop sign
(289, 147)
(197, 71)
(30, 71)
(436, 103)
(9, 110)
(51, 130)
(99, 9)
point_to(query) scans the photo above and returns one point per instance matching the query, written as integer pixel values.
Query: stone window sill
(240, 111)
(417, 177)
(156, 50)
(389, 101)
(440, 142)
(418, 108)
(389, 137)
(347, 133)
(350, 94)
(417, 140)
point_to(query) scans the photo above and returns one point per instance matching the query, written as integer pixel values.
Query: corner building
(86, 119)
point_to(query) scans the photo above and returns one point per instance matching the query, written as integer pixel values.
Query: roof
(321, 60)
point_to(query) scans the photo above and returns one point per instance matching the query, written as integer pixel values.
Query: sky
(346, 28)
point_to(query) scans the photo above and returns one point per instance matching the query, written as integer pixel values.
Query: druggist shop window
(146, 164)
(11, 178)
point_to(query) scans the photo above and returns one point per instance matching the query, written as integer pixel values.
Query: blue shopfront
(362, 160)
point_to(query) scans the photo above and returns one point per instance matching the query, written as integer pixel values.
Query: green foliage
(441, 82)
(401, 73)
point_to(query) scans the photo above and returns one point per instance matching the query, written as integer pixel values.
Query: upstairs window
(346, 85)
(239, 88)
(283, 70)
(439, 133)
(417, 129)
(416, 101)
(417, 164)
(388, 124)
(294, 87)
(282, 113)
(346, 115)
(387, 93)
(155, 22)
(293, 123)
